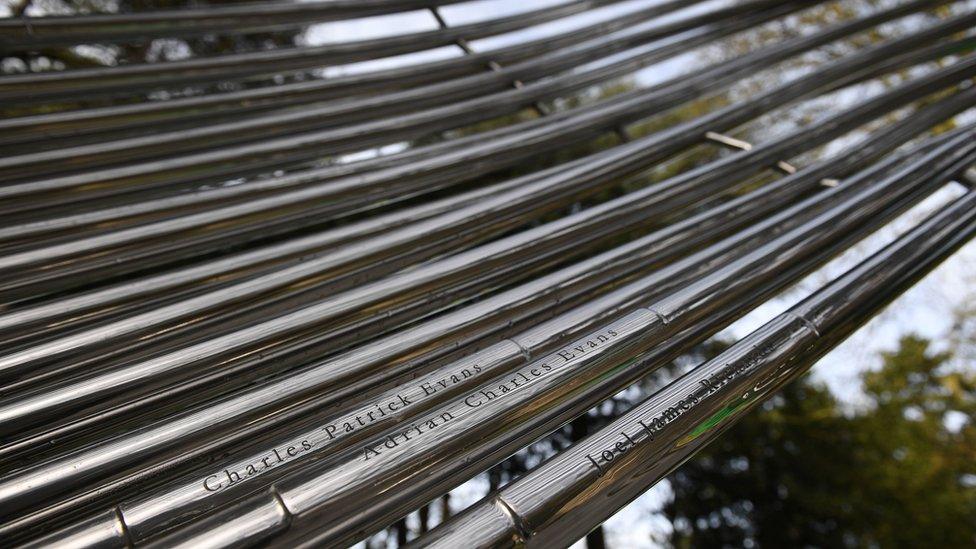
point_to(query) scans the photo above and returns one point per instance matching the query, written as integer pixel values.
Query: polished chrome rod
(287, 337)
(151, 512)
(398, 355)
(36, 271)
(452, 104)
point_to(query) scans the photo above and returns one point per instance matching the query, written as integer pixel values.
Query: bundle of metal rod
(447, 111)
(33, 271)
(100, 123)
(206, 107)
(33, 32)
(191, 495)
(372, 109)
(147, 210)
(61, 85)
(306, 354)
(217, 351)
(368, 487)
(33, 229)
(579, 488)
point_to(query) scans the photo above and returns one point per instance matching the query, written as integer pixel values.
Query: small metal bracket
(492, 65)
(783, 166)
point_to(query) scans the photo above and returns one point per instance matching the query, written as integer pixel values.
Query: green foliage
(900, 472)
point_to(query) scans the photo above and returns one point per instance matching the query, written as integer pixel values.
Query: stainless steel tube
(408, 351)
(400, 77)
(352, 194)
(466, 99)
(27, 273)
(70, 127)
(141, 177)
(34, 322)
(302, 358)
(21, 325)
(576, 490)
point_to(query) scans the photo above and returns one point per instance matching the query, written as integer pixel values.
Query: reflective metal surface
(558, 52)
(34, 271)
(560, 501)
(369, 486)
(304, 355)
(52, 86)
(51, 403)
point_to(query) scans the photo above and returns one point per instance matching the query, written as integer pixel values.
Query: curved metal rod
(44, 320)
(62, 85)
(561, 500)
(469, 98)
(410, 350)
(283, 151)
(31, 277)
(39, 321)
(340, 501)
(587, 121)
(288, 337)
(205, 107)
(147, 513)
(35, 32)
(363, 198)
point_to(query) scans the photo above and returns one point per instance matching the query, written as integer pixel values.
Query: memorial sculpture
(218, 331)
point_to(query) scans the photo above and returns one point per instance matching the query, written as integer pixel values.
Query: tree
(801, 473)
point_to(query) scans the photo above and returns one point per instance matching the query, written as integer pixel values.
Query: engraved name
(479, 398)
(650, 428)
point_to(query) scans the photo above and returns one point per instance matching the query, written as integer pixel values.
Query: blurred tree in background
(899, 472)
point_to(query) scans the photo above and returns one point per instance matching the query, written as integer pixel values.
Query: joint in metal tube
(106, 530)
(526, 353)
(661, 316)
(968, 177)
(522, 530)
(809, 323)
